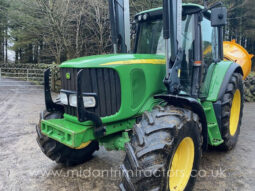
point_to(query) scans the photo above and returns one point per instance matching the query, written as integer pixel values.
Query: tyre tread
(159, 128)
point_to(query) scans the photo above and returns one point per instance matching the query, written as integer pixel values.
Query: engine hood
(113, 60)
(141, 77)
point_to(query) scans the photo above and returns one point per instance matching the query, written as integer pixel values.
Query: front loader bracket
(173, 81)
(50, 105)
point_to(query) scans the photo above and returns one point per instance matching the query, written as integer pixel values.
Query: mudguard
(234, 68)
(220, 78)
(191, 104)
(219, 85)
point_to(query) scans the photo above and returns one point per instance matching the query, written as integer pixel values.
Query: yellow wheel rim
(182, 165)
(235, 113)
(83, 145)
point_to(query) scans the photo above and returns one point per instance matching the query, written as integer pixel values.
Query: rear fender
(220, 79)
(234, 68)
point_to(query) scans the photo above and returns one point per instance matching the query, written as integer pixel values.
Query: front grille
(104, 82)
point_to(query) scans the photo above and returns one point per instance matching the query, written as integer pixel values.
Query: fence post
(27, 74)
(0, 73)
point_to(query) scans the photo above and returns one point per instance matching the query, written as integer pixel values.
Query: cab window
(210, 54)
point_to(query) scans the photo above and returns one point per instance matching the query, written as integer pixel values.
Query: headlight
(89, 101)
(145, 17)
(63, 98)
(73, 100)
(140, 17)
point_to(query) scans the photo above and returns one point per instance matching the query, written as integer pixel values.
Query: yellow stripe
(83, 145)
(137, 61)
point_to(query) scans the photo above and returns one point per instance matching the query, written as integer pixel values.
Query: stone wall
(249, 89)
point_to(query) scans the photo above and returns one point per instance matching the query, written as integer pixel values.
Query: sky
(11, 53)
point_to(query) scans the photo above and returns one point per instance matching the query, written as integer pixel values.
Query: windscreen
(151, 38)
(151, 41)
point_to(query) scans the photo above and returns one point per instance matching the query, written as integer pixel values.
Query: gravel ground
(24, 166)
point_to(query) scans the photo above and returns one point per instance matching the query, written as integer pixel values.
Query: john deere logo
(68, 76)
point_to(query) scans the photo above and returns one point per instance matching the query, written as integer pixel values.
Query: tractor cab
(199, 41)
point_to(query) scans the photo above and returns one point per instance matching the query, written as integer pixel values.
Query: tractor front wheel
(59, 152)
(164, 152)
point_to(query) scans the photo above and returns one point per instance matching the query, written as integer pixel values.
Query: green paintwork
(115, 142)
(214, 134)
(206, 86)
(73, 135)
(141, 75)
(96, 61)
(139, 82)
(68, 76)
(217, 78)
(214, 79)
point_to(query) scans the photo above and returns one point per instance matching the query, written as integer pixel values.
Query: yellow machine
(236, 53)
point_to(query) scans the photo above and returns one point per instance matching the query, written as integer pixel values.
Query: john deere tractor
(163, 102)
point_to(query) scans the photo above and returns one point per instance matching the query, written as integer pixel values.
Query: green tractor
(163, 104)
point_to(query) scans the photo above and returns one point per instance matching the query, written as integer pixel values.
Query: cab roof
(160, 8)
(187, 6)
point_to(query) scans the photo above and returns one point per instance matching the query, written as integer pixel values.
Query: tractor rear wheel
(164, 152)
(59, 152)
(232, 112)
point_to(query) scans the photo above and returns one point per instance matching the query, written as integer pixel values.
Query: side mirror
(219, 16)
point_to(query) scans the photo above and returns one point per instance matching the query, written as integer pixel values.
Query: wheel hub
(182, 165)
(235, 113)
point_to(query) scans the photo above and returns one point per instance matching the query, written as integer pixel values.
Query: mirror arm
(215, 5)
(220, 32)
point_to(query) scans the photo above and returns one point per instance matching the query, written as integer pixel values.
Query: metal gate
(32, 75)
